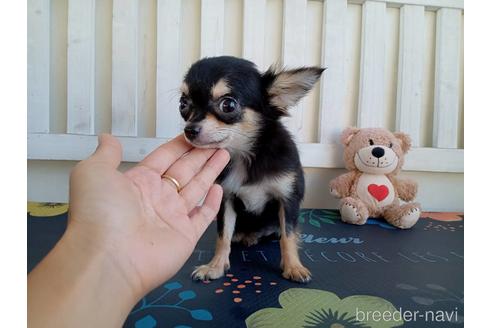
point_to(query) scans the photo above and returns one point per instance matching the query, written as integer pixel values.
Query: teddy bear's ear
(347, 135)
(405, 140)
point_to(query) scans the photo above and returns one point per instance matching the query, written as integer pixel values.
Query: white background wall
(47, 180)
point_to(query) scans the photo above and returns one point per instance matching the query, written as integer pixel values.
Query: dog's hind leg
(290, 263)
(226, 221)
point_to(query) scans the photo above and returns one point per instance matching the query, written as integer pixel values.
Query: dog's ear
(286, 87)
(405, 141)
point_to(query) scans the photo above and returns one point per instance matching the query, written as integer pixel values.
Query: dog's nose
(377, 152)
(192, 131)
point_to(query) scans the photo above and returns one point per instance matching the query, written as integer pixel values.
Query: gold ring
(172, 180)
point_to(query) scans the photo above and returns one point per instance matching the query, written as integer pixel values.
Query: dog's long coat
(227, 103)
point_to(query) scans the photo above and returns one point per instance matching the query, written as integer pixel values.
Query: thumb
(108, 150)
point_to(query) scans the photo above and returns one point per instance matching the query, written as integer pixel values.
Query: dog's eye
(371, 142)
(228, 105)
(391, 145)
(183, 103)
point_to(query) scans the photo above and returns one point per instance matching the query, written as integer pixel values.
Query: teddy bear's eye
(371, 142)
(391, 145)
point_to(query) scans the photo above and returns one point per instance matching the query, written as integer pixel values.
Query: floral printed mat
(363, 276)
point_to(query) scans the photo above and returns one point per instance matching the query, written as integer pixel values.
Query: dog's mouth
(209, 144)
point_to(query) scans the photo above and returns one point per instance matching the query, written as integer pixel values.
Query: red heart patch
(379, 192)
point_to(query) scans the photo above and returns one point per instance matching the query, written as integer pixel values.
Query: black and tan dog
(227, 103)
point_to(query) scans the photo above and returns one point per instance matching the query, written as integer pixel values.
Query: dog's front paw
(209, 271)
(297, 273)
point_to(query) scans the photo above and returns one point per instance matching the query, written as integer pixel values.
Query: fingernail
(228, 154)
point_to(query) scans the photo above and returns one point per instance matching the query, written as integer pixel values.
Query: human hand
(140, 221)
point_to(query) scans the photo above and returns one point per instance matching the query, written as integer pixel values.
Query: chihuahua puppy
(227, 103)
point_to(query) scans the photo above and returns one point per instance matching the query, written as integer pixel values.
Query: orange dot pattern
(238, 286)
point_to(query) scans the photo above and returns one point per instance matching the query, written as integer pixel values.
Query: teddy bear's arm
(340, 186)
(406, 189)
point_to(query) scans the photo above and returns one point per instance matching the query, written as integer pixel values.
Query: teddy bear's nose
(377, 152)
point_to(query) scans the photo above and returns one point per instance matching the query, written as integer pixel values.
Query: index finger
(163, 157)
(201, 183)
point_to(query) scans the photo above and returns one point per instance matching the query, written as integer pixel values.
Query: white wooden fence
(131, 79)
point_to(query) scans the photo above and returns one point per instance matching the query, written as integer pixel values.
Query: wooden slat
(446, 92)
(254, 31)
(410, 71)
(212, 28)
(125, 65)
(146, 68)
(333, 89)
(293, 55)
(429, 4)
(81, 66)
(38, 65)
(77, 147)
(371, 87)
(169, 73)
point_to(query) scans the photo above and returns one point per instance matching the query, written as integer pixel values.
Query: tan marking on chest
(255, 196)
(235, 179)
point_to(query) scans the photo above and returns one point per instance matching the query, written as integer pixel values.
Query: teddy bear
(374, 157)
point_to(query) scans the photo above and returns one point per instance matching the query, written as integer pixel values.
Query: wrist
(100, 251)
(114, 290)
(81, 275)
